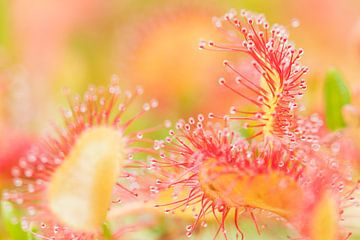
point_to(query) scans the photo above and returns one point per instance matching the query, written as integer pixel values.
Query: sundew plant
(109, 169)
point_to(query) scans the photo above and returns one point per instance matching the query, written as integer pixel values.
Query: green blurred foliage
(336, 96)
(10, 217)
(106, 229)
(5, 30)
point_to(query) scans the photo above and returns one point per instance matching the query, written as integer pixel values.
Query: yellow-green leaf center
(273, 191)
(80, 189)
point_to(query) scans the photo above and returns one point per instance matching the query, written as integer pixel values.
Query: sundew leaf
(336, 96)
(10, 217)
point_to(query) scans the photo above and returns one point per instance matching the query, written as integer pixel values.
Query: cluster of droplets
(194, 131)
(35, 220)
(278, 84)
(188, 148)
(294, 148)
(195, 143)
(98, 107)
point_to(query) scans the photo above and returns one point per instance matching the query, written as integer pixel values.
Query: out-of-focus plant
(67, 183)
(153, 57)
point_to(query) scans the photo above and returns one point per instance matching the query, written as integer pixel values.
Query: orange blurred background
(47, 45)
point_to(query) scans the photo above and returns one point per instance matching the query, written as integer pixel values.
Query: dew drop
(115, 78)
(18, 182)
(31, 158)
(68, 114)
(56, 229)
(188, 228)
(146, 107)
(42, 225)
(167, 123)
(201, 118)
(154, 103)
(191, 120)
(295, 23)
(202, 44)
(139, 90)
(139, 136)
(31, 188)
(24, 225)
(315, 147)
(204, 224)
(15, 172)
(221, 81)
(335, 147)
(341, 187)
(28, 172)
(31, 211)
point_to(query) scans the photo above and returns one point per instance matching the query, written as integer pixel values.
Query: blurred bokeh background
(46, 45)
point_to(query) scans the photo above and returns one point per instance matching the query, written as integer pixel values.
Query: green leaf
(10, 217)
(336, 96)
(106, 231)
